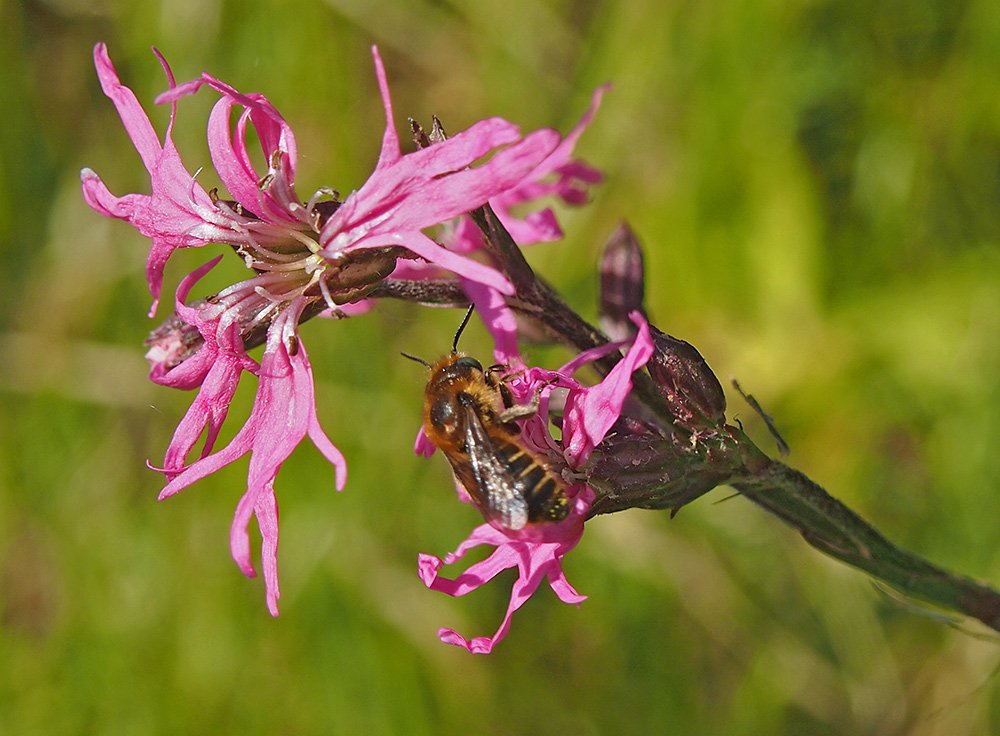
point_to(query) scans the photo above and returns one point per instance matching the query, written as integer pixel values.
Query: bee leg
(506, 396)
(519, 410)
(500, 384)
(490, 373)
(516, 411)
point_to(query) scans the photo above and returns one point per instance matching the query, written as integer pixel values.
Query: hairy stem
(831, 527)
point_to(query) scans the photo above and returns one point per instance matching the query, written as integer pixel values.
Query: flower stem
(831, 527)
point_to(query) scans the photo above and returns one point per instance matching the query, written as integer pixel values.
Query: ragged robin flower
(306, 257)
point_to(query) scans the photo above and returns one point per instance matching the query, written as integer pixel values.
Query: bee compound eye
(467, 362)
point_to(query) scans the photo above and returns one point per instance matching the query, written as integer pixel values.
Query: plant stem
(833, 528)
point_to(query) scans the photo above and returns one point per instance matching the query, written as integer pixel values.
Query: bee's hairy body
(468, 415)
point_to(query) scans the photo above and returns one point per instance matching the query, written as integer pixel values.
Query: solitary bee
(469, 415)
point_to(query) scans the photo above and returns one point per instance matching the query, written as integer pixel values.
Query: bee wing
(497, 490)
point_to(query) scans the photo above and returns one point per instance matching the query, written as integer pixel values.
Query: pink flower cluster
(321, 253)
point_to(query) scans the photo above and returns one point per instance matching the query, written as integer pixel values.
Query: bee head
(455, 369)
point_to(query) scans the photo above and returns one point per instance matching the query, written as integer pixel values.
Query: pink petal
(467, 189)
(178, 213)
(426, 248)
(187, 375)
(590, 413)
(536, 227)
(563, 590)
(390, 139)
(542, 226)
(216, 369)
(479, 645)
(478, 574)
(535, 560)
(314, 430)
(266, 511)
(422, 445)
(431, 186)
(239, 446)
(136, 122)
(283, 413)
(232, 160)
(589, 356)
(497, 316)
(207, 413)
(524, 587)
(271, 129)
(562, 155)
(427, 568)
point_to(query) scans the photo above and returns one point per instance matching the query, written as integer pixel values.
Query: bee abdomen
(542, 490)
(517, 459)
(548, 502)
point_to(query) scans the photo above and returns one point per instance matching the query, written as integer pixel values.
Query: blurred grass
(817, 187)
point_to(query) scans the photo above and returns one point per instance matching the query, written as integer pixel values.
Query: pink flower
(284, 411)
(558, 175)
(535, 561)
(537, 551)
(267, 221)
(304, 255)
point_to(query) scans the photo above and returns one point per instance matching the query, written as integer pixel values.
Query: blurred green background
(817, 186)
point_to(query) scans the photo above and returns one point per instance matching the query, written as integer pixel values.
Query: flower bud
(687, 384)
(622, 283)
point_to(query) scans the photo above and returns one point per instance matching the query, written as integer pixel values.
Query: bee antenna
(461, 327)
(416, 359)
